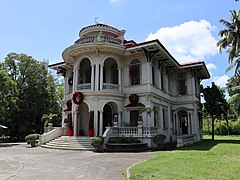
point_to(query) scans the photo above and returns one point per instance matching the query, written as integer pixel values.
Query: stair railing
(56, 132)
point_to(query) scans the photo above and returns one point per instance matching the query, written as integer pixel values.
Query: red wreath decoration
(134, 70)
(133, 98)
(77, 98)
(70, 81)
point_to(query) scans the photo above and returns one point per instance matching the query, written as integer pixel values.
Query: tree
(35, 93)
(48, 118)
(215, 103)
(233, 87)
(230, 40)
(7, 99)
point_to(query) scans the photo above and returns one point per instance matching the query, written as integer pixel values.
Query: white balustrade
(127, 130)
(111, 87)
(85, 86)
(56, 132)
(133, 131)
(98, 39)
(185, 139)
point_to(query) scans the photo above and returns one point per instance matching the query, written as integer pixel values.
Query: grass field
(219, 159)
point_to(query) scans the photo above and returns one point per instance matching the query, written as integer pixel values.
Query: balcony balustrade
(83, 87)
(110, 87)
(98, 39)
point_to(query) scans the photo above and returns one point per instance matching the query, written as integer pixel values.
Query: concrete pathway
(20, 162)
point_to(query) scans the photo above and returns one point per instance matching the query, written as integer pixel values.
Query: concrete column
(101, 124)
(74, 78)
(120, 79)
(101, 77)
(119, 119)
(189, 123)
(174, 123)
(95, 123)
(177, 124)
(75, 123)
(97, 78)
(92, 77)
(149, 74)
(161, 117)
(193, 84)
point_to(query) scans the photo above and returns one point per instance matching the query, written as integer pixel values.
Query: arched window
(134, 72)
(84, 72)
(110, 71)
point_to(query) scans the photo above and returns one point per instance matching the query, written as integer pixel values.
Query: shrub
(159, 139)
(236, 128)
(97, 140)
(221, 128)
(32, 139)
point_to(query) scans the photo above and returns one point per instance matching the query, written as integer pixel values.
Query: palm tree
(48, 118)
(230, 40)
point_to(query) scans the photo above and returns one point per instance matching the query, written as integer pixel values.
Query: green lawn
(204, 160)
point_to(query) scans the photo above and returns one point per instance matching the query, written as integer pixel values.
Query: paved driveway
(19, 162)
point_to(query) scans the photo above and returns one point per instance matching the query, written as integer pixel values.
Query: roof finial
(96, 18)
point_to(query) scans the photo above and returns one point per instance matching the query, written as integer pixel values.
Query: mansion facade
(117, 87)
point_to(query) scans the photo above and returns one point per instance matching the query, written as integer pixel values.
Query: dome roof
(101, 27)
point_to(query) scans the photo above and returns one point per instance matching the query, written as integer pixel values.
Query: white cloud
(211, 66)
(189, 41)
(220, 81)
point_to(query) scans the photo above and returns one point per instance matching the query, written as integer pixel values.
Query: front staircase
(81, 143)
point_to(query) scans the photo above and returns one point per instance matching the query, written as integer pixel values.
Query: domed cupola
(101, 33)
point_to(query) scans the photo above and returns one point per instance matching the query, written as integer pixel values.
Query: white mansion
(109, 80)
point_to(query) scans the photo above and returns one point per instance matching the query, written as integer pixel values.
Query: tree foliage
(215, 104)
(233, 87)
(230, 40)
(33, 93)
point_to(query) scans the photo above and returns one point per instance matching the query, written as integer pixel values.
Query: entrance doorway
(83, 120)
(107, 117)
(183, 119)
(134, 117)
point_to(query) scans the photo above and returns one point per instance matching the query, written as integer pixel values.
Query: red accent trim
(129, 43)
(191, 63)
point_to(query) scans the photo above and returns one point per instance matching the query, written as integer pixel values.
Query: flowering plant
(147, 109)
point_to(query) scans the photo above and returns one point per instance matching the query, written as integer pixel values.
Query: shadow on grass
(207, 144)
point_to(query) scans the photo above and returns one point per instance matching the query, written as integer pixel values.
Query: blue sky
(187, 28)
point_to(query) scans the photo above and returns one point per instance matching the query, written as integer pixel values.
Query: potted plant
(159, 140)
(32, 139)
(70, 127)
(97, 143)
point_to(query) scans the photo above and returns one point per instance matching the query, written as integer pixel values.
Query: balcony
(105, 87)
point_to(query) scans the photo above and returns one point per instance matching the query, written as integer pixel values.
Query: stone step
(68, 148)
(71, 143)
